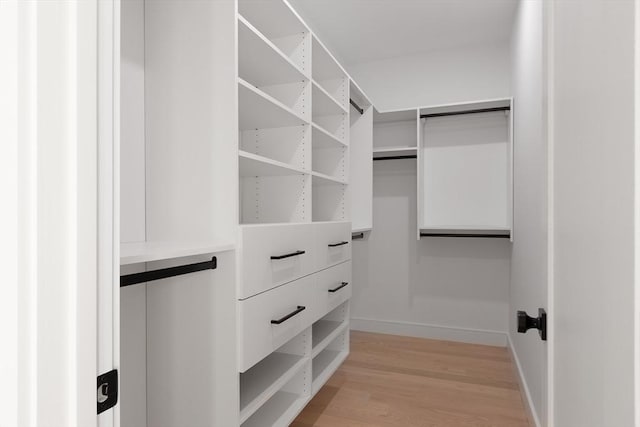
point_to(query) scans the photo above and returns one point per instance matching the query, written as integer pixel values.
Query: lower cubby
(286, 370)
(327, 361)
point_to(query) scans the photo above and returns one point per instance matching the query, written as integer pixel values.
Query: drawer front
(273, 255)
(269, 320)
(333, 244)
(331, 290)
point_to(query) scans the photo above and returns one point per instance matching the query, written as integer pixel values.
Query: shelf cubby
(328, 74)
(324, 332)
(259, 110)
(324, 104)
(326, 362)
(282, 408)
(395, 130)
(324, 139)
(290, 145)
(332, 162)
(275, 199)
(329, 199)
(282, 27)
(335, 126)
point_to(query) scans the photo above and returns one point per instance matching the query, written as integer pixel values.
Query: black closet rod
(395, 157)
(493, 236)
(163, 273)
(356, 106)
(457, 113)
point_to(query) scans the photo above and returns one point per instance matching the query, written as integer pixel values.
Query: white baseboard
(524, 389)
(436, 332)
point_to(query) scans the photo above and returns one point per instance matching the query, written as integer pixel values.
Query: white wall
(594, 147)
(436, 77)
(442, 288)
(529, 257)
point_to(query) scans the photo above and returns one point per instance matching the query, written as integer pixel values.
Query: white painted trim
(636, 214)
(430, 331)
(524, 389)
(548, 40)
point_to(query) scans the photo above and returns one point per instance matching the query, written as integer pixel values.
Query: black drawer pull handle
(296, 253)
(288, 316)
(333, 245)
(339, 287)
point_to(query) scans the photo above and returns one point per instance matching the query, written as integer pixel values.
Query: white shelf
(323, 103)
(279, 411)
(325, 67)
(463, 106)
(260, 61)
(394, 151)
(274, 18)
(263, 380)
(322, 179)
(395, 116)
(134, 253)
(323, 332)
(324, 365)
(255, 165)
(259, 110)
(322, 138)
(360, 229)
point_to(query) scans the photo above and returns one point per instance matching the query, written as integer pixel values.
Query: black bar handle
(342, 285)
(163, 273)
(289, 316)
(333, 245)
(296, 253)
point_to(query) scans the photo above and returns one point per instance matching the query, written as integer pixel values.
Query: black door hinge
(107, 390)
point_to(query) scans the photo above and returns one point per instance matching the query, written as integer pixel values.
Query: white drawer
(333, 243)
(333, 287)
(269, 320)
(273, 255)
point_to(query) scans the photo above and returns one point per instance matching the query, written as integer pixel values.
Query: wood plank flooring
(389, 380)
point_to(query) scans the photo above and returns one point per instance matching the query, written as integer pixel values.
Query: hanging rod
(356, 106)
(413, 156)
(493, 236)
(163, 273)
(357, 236)
(457, 113)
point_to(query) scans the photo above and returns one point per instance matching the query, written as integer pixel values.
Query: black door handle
(288, 316)
(296, 253)
(342, 285)
(333, 245)
(526, 322)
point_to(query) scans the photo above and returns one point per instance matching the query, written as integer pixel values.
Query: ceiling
(366, 30)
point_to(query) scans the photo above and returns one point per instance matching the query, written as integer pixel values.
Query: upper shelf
(466, 106)
(260, 61)
(134, 253)
(324, 65)
(394, 116)
(255, 165)
(394, 151)
(274, 18)
(259, 110)
(322, 138)
(323, 103)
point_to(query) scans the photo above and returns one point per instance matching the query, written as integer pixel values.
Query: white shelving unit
(260, 110)
(327, 361)
(256, 166)
(469, 155)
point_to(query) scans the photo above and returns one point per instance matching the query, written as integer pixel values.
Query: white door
(593, 128)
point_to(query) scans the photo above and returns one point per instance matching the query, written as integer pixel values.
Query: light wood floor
(399, 381)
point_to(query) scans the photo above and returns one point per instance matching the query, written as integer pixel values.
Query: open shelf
(280, 410)
(325, 67)
(260, 61)
(394, 151)
(264, 380)
(322, 179)
(255, 165)
(324, 104)
(324, 365)
(260, 110)
(322, 138)
(274, 18)
(134, 253)
(325, 331)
